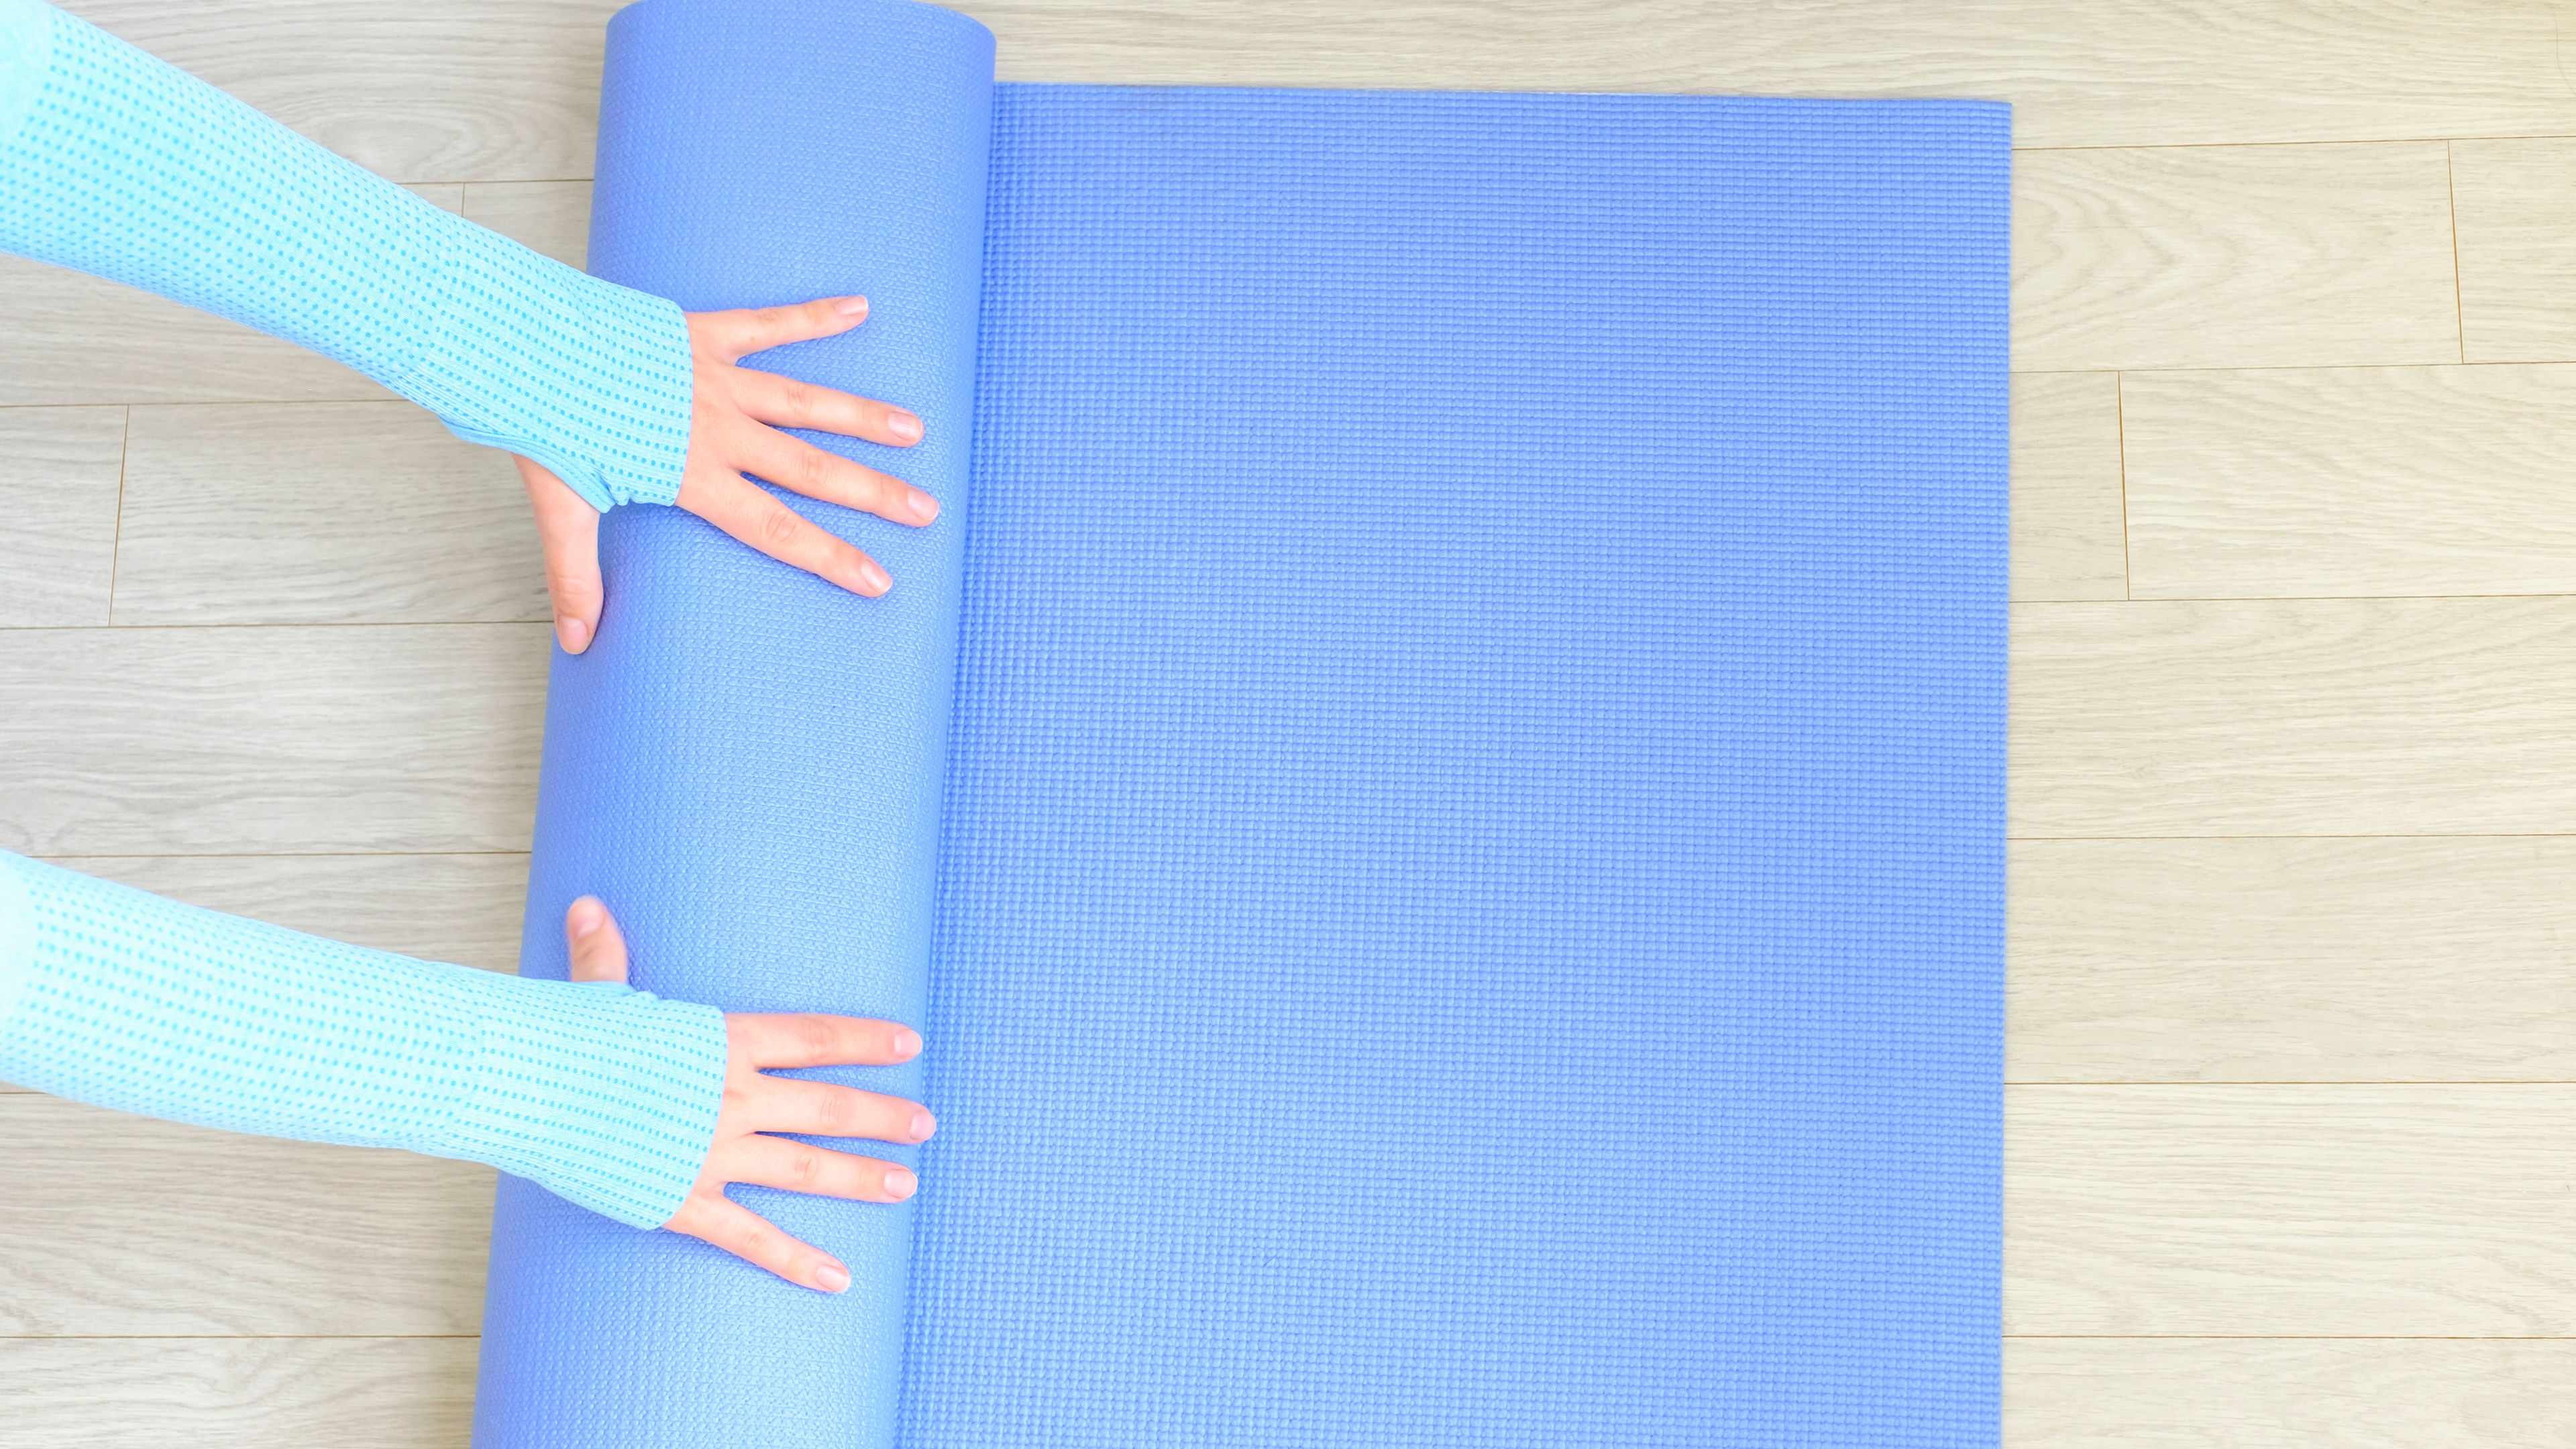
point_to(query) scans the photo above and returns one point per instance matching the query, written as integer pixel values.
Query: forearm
(116, 164)
(113, 996)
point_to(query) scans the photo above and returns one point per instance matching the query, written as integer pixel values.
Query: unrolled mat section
(1436, 789)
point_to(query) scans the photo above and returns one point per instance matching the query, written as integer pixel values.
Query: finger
(568, 532)
(745, 510)
(598, 947)
(732, 335)
(789, 402)
(814, 1040)
(801, 1167)
(803, 468)
(820, 1109)
(716, 1219)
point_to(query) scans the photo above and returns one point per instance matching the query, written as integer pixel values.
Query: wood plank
(235, 1393)
(2351, 482)
(75, 338)
(489, 90)
(320, 513)
(2233, 256)
(58, 472)
(2068, 529)
(2516, 202)
(2088, 73)
(552, 217)
(459, 90)
(460, 908)
(2295, 1211)
(402, 738)
(2294, 717)
(125, 1226)
(2287, 1393)
(2293, 960)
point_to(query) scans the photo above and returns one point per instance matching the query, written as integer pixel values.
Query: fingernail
(851, 306)
(585, 919)
(924, 507)
(874, 578)
(907, 1044)
(904, 426)
(572, 632)
(832, 1278)
(923, 1124)
(900, 1182)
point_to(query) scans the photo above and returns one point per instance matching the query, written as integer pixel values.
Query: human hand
(756, 1104)
(733, 430)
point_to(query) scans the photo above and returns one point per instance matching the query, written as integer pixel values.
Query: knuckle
(779, 527)
(837, 1109)
(814, 469)
(798, 397)
(807, 1168)
(768, 319)
(816, 1038)
(755, 1240)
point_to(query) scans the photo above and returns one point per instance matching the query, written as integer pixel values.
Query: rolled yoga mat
(1436, 790)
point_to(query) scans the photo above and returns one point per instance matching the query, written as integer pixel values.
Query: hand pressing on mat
(734, 430)
(756, 1103)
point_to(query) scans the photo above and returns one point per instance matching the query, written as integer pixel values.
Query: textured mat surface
(1460, 898)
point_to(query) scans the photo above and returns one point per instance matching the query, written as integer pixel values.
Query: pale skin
(756, 1104)
(734, 430)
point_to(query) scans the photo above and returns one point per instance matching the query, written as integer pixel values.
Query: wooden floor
(2293, 1114)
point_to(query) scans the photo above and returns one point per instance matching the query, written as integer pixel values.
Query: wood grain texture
(2352, 482)
(413, 739)
(461, 908)
(2277, 960)
(2068, 531)
(320, 513)
(2234, 256)
(123, 1226)
(457, 90)
(2295, 717)
(75, 338)
(552, 217)
(2294, 1211)
(2516, 203)
(58, 481)
(483, 90)
(2089, 73)
(234, 1393)
(2287, 1394)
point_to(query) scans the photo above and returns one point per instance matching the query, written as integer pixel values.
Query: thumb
(598, 947)
(568, 531)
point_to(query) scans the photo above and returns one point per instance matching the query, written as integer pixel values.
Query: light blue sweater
(111, 995)
(116, 164)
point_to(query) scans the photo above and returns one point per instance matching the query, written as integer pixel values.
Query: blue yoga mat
(1436, 790)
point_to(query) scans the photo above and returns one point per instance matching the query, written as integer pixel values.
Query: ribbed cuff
(599, 1093)
(591, 380)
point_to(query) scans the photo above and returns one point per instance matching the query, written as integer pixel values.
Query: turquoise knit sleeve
(605, 1095)
(114, 163)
